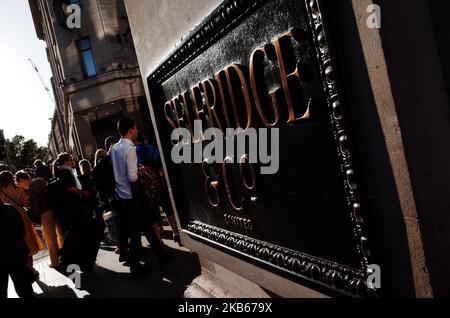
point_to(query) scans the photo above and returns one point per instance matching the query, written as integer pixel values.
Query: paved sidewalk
(110, 279)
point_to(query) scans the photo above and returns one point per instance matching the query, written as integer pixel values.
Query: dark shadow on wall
(439, 11)
(419, 79)
(386, 225)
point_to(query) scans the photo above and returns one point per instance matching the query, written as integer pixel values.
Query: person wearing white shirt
(124, 161)
(132, 220)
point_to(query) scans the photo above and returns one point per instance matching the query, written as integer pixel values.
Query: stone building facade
(96, 78)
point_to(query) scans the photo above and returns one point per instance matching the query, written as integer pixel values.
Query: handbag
(147, 184)
(34, 216)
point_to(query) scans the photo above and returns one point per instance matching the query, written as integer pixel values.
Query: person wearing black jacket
(42, 171)
(87, 184)
(14, 254)
(104, 182)
(72, 193)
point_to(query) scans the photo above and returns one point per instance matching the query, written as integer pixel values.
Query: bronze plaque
(267, 64)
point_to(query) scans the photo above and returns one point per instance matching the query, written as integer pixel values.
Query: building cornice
(75, 87)
(37, 18)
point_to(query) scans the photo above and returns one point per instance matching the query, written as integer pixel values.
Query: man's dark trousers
(132, 224)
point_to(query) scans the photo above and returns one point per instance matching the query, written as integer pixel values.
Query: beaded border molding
(333, 275)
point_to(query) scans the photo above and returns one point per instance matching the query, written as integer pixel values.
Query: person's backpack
(104, 181)
(55, 194)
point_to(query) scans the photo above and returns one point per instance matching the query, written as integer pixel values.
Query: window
(87, 57)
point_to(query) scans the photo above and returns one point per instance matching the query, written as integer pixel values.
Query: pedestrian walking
(125, 165)
(39, 207)
(18, 198)
(15, 254)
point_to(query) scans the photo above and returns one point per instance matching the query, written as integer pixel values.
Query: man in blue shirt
(147, 154)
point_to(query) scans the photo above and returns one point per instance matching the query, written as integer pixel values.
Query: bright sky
(25, 107)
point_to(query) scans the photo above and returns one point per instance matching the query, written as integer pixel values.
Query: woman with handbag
(18, 198)
(41, 213)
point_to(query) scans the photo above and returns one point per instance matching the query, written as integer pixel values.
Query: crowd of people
(70, 201)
